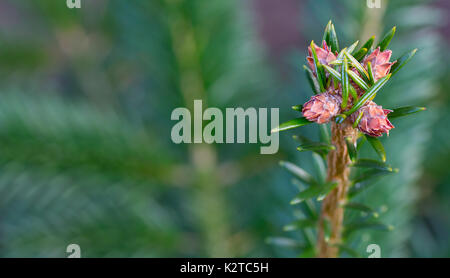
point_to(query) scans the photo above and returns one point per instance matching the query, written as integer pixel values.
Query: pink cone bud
(374, 121)
(322, 107)
(324, 55)
(380, 63)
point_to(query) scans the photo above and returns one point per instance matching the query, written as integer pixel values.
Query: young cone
(374, 121)
(324, 55)
(380, 63)
(322, 107)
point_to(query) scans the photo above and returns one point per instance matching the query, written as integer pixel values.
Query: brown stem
(332, 209)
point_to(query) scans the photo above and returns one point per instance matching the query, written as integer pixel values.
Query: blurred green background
(85, 102)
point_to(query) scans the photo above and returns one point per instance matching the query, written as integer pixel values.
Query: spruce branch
(348, 85)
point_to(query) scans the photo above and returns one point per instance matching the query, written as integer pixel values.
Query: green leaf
(368, 44)
(308, 205)
(302, 139)
(319, 165)
(298, 172)
(375, 225)
(314, 191)
(353, 93)
(310, 208)
(323, 77)
(370, 72)
(333, 39)
(358, 80)
(335, 83)
(316, 146)
(387, 39)
(405, 111)
(294, 123)
(362, 208)
(300, 224)
(333, 72)
(365, 180)
(403, 60)
(298, 108)
(324, 133)
(358, 119)
(363, 139)
(352, 47)
(358, 66)
(369, 94)
(306, 141)
(326, 33)
(337, 62)
(284, 242)
(377, 146)
(370, 163)
(344, 71)
(352, 153)
(325, 189)
(312, 81)
(316, 68)
(360, 53)
(340, 56)
(372, 174)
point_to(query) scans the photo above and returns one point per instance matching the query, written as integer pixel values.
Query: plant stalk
(332, 213)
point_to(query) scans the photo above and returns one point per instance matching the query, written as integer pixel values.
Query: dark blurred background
(85, 102)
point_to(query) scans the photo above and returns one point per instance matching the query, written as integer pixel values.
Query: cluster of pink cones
(370, 118)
